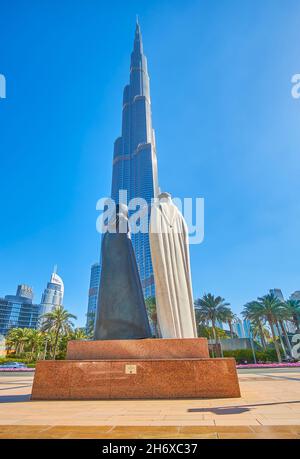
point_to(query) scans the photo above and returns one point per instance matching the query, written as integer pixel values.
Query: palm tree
(47, 338)
(17, 338)
(35, 342)
(260, 332)
(229, 317)
(152, 312)
(292, 312)
(78, 333)
(206, 332)
(12, 340)
(253, 313)
(282, 317)
(270, 308)
(211, 309)
(58, 322)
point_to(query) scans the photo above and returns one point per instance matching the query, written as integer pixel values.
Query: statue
(121, 311)
(171, 266)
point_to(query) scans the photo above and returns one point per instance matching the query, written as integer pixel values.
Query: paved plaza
(269, 408)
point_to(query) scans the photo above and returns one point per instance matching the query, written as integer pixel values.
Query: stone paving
(269, 408)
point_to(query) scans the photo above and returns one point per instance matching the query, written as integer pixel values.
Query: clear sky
(227, 129)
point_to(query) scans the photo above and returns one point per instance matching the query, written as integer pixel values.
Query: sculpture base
(138, 349)
(136, 378)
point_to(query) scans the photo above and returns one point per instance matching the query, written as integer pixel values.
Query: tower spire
(138, 44)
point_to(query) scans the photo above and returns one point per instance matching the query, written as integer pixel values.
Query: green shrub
(242, 355)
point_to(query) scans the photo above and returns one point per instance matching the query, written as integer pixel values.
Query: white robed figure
(171, 265)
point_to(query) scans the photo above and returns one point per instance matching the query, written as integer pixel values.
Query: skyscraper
(18, 311)
(93, 295)
(295, 295)
(53, 294)
(278, 293)
(242, 328)
(134, 160)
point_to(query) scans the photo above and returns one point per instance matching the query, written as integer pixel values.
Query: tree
(253, 313)
(207, 332)
(211, 309)
(260, 333)
(292, 312)
(152, 312)
(229, 317)
(17, 338)
(281, 318)
(270, 308)
(78, 333)
(58, 322)
(35, 342)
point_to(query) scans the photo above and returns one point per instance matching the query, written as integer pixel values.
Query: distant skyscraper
(278, 293)
(18, 311)
(23, 291)
(238, 328)
(242, 328)
(134, 161)
(53, 295)
(247, 328)
(93, 294)
(295, 295)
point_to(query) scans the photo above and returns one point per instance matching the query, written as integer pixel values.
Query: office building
(93, 295)
(18, 311)
(53, 294)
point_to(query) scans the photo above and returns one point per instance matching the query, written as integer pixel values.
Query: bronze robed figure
(121, 311)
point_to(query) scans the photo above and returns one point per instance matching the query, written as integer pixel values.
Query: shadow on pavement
(236, 409)
(15, 398)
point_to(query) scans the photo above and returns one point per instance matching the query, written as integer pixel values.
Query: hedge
(242, 355)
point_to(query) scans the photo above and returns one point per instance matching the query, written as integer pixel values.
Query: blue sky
(227, 129)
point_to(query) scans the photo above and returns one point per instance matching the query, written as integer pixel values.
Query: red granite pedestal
(136, 369)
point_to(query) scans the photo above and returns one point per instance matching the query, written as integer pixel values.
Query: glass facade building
(278, 293)
(18, 311)
(242, 328)
(134, 159)
(53, 294)
(93, 294)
